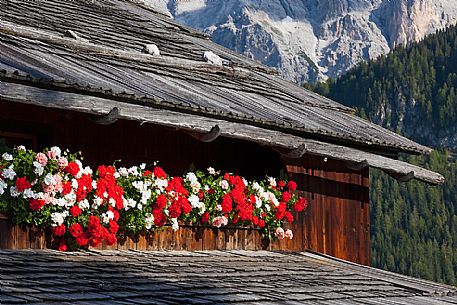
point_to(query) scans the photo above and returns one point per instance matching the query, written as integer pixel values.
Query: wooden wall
(336, 221)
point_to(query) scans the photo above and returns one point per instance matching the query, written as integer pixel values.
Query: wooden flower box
(187, 237)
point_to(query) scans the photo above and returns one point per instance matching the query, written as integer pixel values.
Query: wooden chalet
(78, 74)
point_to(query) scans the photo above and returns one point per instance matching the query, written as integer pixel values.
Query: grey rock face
(310, 40)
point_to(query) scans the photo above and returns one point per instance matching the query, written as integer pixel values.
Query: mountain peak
(310, 40)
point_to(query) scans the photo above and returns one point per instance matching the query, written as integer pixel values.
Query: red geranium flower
(161, 203)
(289, 217)
(300, 205)
(205, 217)
(174, 210)
(36, 205)
(226, 204)
(82, 240)
(159, 172)
(255, 220)
(75, 211)
(186, 207)
(59, 230)
(72, 168)
(159, 218)
(113, 227)
(111, 239)
(286, 196)
(66, 188)
(147, 173)
(62, 246)
(22, 184)
(76, 230)
(280, 211)
(291, 186)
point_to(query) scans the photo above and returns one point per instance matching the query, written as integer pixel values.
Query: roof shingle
(205, 277)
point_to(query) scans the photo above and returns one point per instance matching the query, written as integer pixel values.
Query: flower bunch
(85, 208)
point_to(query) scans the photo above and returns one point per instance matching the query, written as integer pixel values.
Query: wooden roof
(105, 61)
(204, 277)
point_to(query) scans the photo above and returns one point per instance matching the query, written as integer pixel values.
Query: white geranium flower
(106, 217)
(224, 184)
(272, 181)
(3, 186)
(206, 187)
(49, 179)
(74, 184)
(7, 157)
(145, 196)
(9, 173)
(97, 202)
(196, 186)
(56, 151)
(272, 198)
(267, 207)
(21, 148)
(61, 202)
(84, 205)
(39, 169)
(194, 201)
(112, 202)
(94, 184)
(139, 185)
(161, 184)
(129, 204)
(202, 208)
(123, 172)
(174, 224)
(139, 206)
(191, 177)
(14, 192)
(211, 171)
(88, 171)
(133, 171)
(57, 219)
(28, 193)
(149, 221)
(142, 166)
(258, 202)
(70, 198)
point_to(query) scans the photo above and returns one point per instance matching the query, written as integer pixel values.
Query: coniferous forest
(412, 91)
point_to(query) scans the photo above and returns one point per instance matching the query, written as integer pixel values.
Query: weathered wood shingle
(208, 277)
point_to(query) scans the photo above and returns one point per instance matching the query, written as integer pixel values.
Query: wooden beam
(12, 92)
(357, 166)
(108, 118)
(402, 177)
(207, 137)
(295, 153)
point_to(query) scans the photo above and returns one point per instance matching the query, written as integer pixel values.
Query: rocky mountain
(310, 40)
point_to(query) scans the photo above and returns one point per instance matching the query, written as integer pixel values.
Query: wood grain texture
(22, 95)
